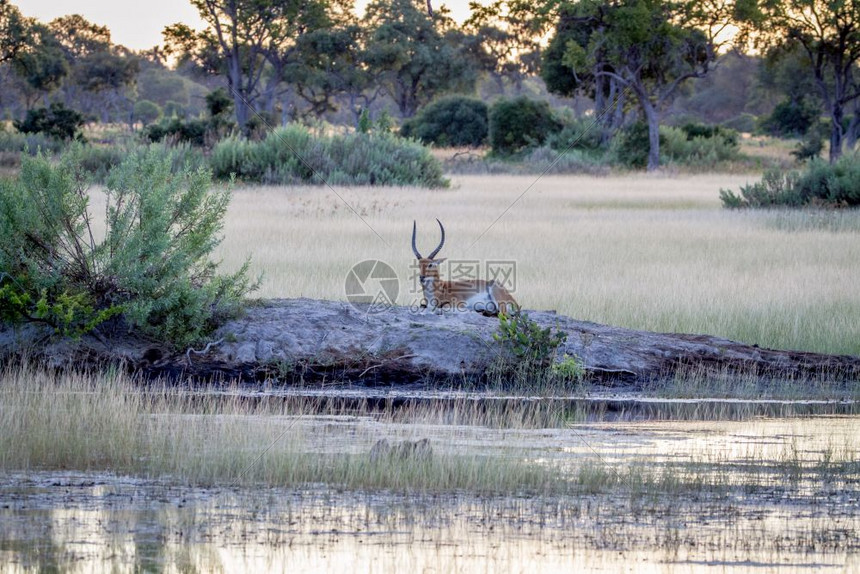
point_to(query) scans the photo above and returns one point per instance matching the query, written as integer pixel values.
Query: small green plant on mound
(151, 270)
(529, 354)
(819, 185)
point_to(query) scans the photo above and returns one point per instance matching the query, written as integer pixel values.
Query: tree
(509, 34)
(245, 40)
(648, 47)
(331, 62)
(41, 64)
(13, 31)
(828, 33)
(420, 55)
(99, 71)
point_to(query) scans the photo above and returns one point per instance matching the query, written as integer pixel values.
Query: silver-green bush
(292, 155)
(151, 272)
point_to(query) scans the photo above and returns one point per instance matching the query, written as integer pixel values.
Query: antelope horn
(441, 243)
(414, 248)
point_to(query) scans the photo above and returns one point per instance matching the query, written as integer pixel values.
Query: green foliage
(152, 266)
(292, 155)
(569, 369)
(418, 56)
(364, 122)
(56, 121)
(791, 118)
(186, 131)
(147, 112)
(527, 341)
(820, 184)
(698, 145)
(529, 356)
(520, 123)
(579, 134)
(16, 142)
(812, 143)
(630, 147)
(450, 121)
(695, 145)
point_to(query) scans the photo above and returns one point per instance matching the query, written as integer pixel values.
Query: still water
(792, 504)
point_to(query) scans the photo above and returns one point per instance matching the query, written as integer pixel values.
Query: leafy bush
(292, 155)
(580, 134)
(821, 184)
(56, 121)
(185, 131)
(791, 118)
(529, 357)
(147, 112)
(707, 131)
(630, 146)
(693, 144)
(698, 145)
(520, 123)
(152, 267)
(812, 143)
(450, 121)
(527, 341)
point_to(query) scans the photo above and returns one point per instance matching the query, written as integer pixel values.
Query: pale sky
(137, 24)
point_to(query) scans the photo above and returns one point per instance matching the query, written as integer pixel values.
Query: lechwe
(487, 297)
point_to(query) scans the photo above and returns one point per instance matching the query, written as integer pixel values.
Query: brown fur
(449, 293)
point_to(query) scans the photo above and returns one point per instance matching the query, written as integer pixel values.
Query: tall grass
(647, 252)
(104, 423)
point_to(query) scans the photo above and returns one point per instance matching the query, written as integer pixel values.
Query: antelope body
(486, 297)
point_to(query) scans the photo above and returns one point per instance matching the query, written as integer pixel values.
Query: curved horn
(441, 243)
(414, 248)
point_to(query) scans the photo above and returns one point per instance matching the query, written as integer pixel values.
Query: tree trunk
(853, 132)
(652, 118)
(303, 340)
(836, 132)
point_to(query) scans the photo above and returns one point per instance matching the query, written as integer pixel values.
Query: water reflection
(83, 522)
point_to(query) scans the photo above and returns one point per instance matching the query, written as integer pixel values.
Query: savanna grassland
(654, 252)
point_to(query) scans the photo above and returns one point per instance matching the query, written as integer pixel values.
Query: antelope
(486, 297)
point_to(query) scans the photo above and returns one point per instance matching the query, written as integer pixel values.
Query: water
(789, 501)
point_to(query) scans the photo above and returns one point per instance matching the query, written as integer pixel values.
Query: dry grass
(642, 251)
(105, 423)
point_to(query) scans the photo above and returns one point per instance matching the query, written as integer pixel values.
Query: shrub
(821, 184)
(292, 155)
(579, 134)
(790, 118)
(183, 131)
(147, 112)
(520, 123)
(450, 121)
(16, 142)
(56, 121)
(152, 267)
(630, 146)
(698, 145)
(527, 341)
(529, 355)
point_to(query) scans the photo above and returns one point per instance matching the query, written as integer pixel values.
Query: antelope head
(428, 266)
